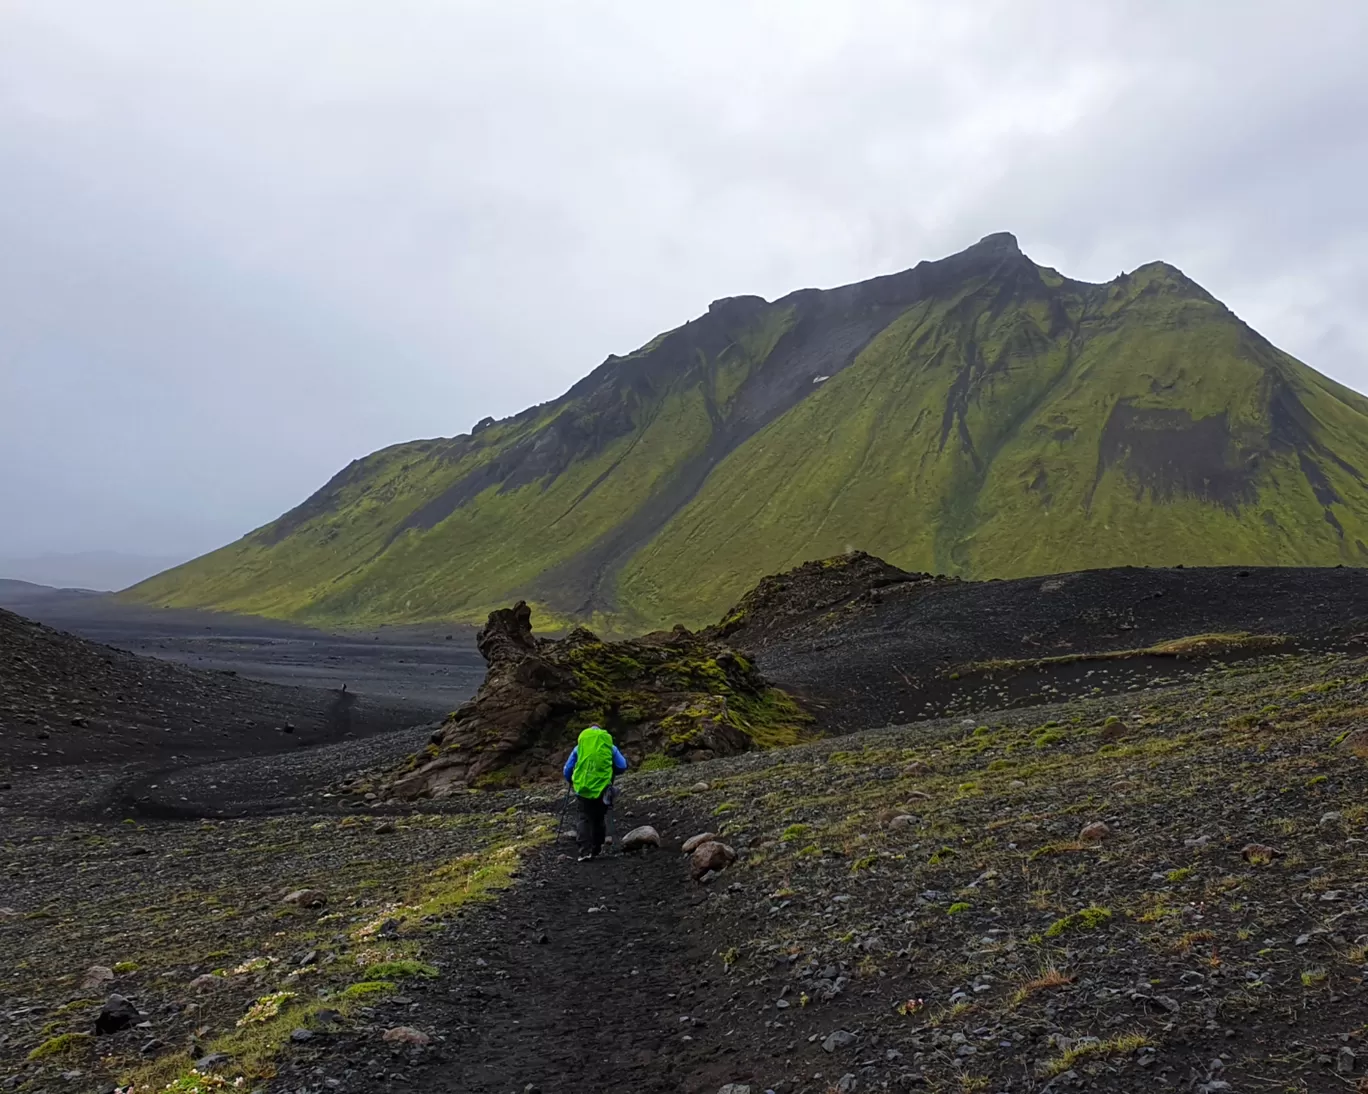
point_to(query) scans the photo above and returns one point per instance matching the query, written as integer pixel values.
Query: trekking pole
(565, 808)
(612, 823)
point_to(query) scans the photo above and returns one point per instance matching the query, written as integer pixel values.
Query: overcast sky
(244, 241)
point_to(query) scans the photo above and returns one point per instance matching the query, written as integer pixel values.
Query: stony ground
(1158, 889)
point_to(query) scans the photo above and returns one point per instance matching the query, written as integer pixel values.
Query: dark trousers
(592, 827)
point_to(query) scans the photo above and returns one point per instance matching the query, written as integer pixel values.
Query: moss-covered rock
(674, 694)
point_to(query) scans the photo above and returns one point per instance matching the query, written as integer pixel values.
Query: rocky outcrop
(814, 597)
(667, 698)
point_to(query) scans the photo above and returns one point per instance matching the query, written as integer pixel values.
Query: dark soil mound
(668, 697)
(879, 651)
(806, 599)
(64, 700)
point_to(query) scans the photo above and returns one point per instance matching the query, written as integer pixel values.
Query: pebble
(299, 1036)
(694, 842)
(405, 1035)
(305, 898)
(735, 1088)
(116, 1014)
(1094, 832)
(838, 1039)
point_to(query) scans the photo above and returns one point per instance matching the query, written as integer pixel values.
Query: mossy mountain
(979, 415)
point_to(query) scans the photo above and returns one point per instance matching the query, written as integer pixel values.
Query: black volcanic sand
(909, 650)
(933, 863)
(115, 730)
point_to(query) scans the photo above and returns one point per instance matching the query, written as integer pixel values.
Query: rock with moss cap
(672, 694)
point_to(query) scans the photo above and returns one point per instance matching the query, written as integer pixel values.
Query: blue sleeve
(619, 760)
(569, 769)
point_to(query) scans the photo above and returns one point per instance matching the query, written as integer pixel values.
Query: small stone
(406, 1035)
(693, 842)
(79, 723)
(710, 857)
(735, 1088)
(305, 898)
(917, 767)
(1198, 842)
(530, 1088)
(1333, 817)
(638, 839)
(384, 828)
(152, 1047)
(116, 1014)
(212, 1062)
(97, 976)
(847, 1084)
(1095, 832)
(543, 939)
(208, 980)
(699, 787)
(299, 1036)
(838, 1039)
(902, 821)
(1346, 1061)
(1258, 854)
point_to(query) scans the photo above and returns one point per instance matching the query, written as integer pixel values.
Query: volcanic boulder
(671, 696)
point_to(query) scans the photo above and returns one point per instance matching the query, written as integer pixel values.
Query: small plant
(863, 863)
(1050, 979)
(1181, 874)
(125, 967)
(368, 988)
(794, 832)
(1087, 919)
(730, 957)
(658, 761)
(1048, 738)
(1311, 978)
(724, 807)
(265, 1008)
(958, 907)
(911, 1006)
(401, 970)
(197, 1082)
(1120, 1045)
(64, 1044)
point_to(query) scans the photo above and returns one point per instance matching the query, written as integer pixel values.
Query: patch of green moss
(64, 1044)
(368, 989)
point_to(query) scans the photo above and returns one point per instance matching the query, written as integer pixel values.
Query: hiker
(589, 771)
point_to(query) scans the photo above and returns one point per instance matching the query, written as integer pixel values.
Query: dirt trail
(583, 977)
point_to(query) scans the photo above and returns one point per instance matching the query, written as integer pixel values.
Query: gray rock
(1345, 1061)
(299, 1036)
(838, 1039)
(212, 1062)
(735, 1088)
(640, 838)
(847, 1084)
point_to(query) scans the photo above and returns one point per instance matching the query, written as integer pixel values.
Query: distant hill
(104, 571)
(980, 416)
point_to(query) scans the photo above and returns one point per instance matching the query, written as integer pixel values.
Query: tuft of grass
(369, 989)
(401, 970)
(1051, 978)
(1087, 919)
(1123, 1044)
(63, 1045)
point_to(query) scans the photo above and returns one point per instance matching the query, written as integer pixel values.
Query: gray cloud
(244, 243)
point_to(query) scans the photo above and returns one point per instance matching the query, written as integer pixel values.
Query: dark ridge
(320, 503)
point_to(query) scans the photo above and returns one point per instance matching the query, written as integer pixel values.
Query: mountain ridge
(931, 416)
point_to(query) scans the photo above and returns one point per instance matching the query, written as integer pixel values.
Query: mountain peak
(997, 243)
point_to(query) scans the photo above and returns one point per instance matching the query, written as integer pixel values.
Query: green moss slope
(980, 415)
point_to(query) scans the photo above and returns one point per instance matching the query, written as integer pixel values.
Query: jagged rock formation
(667, 698)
